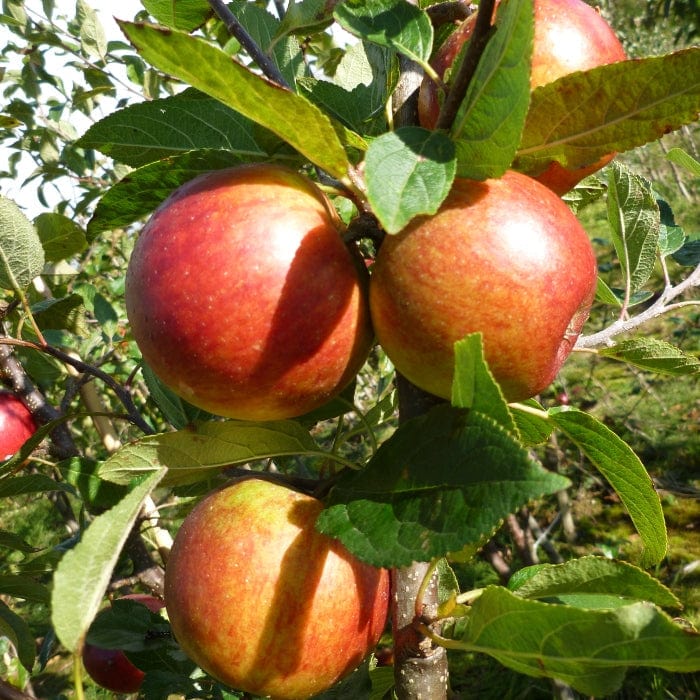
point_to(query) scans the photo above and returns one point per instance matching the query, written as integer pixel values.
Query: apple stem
(475, 49)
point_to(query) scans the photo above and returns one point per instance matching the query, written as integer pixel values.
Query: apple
(16, 424)
(569, 36)
(265, 603)
(505, 257)
(110, 668)
(243, 297)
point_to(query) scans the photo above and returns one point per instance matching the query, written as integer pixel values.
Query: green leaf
(583, 116)
(29, 483)
(396, 24)
(21, 254)
(172, 126)
(440, 482)
(654, 355)
(293, 118)
(11, 540)
(66, 314)
(689, 254)
(533, 427)
(491, 118)
(200, 452)
(680, 157)
(264, 29)
(408, 172)
(589, 649)
(582, 582)
(23, 587)
(60, 236)
(186, 15)
(616, 297)
(361, 86)
(634, 220)
(81, 578)
(141, 191)
(473, 385)
(616, 461)
(18, 632)
(176, 410)
(93, 40)
(97, 494)
(306, 17)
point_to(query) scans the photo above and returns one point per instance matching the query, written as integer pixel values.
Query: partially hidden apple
(16, 424)
(505, 257)
(570, 36)
(262, 601)
(243, 297)
(110, 668)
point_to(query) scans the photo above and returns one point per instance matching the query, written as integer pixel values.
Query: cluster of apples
(246, 301)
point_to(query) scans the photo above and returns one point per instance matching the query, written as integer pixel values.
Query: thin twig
(659, 307)
(124, 396)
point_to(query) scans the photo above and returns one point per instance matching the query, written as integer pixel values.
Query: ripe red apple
(569, 36)
(16, 424)
(243, 297)
(505, 257)
(262, 601)
(110, 668)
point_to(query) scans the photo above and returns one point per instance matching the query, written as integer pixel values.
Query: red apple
(505, 257)
(110, 668)
(262, 601)
(243, 297)
(16, 424)
(569, 36)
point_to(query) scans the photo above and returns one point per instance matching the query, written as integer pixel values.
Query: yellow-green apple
(505, 257)
(569, 36)
(243, 297)
(110, 668)
(16, 424)
(262, 601)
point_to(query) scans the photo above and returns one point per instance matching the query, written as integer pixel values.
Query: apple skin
(110, 668)
(16, 424)
(504, 257)
(243, 297)
(262, 601)
(569, 36)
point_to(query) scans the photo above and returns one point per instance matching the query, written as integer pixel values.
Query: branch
(475, 49)
(122, 394)
(660, 306)
(236, 29)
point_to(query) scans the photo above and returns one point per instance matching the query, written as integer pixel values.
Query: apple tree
(251, 188)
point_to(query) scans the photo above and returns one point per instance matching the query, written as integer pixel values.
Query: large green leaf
(579, 118)
(589, 649)
(408, 172)
(634, 220)
(591, 582)
(60, 236)
(654, 355)
(200, 452)
(490, 120)
(293, 118)
(440, 482)
(190, 121)
(183, 14)
(81, 578)
(396, 24)
(21, 254)
(141, 191)
(624, 471)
